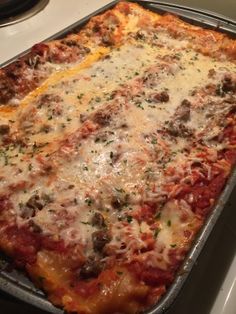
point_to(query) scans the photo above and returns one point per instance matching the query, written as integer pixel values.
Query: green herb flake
(139, 106)
(80, 96)
(120, 190)
(156, 232)
(158, 215)
(109, 142)
(88, 201)
(129, 219)
(5, 157)
(98, 99)
(6, 162)
(85, 222)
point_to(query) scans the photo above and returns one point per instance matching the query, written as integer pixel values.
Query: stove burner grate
(15, 11)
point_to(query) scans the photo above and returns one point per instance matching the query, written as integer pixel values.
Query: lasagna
(115, 143)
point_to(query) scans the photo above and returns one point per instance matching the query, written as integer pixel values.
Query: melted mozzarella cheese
(127, 156)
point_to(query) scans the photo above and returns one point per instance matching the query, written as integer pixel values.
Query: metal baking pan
(17, 284)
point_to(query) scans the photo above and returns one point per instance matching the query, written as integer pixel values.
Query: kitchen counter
(211, 287)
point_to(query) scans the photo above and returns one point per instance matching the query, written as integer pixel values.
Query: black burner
(13, 11)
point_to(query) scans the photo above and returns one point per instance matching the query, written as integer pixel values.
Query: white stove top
(211, 288)
(57, 15)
